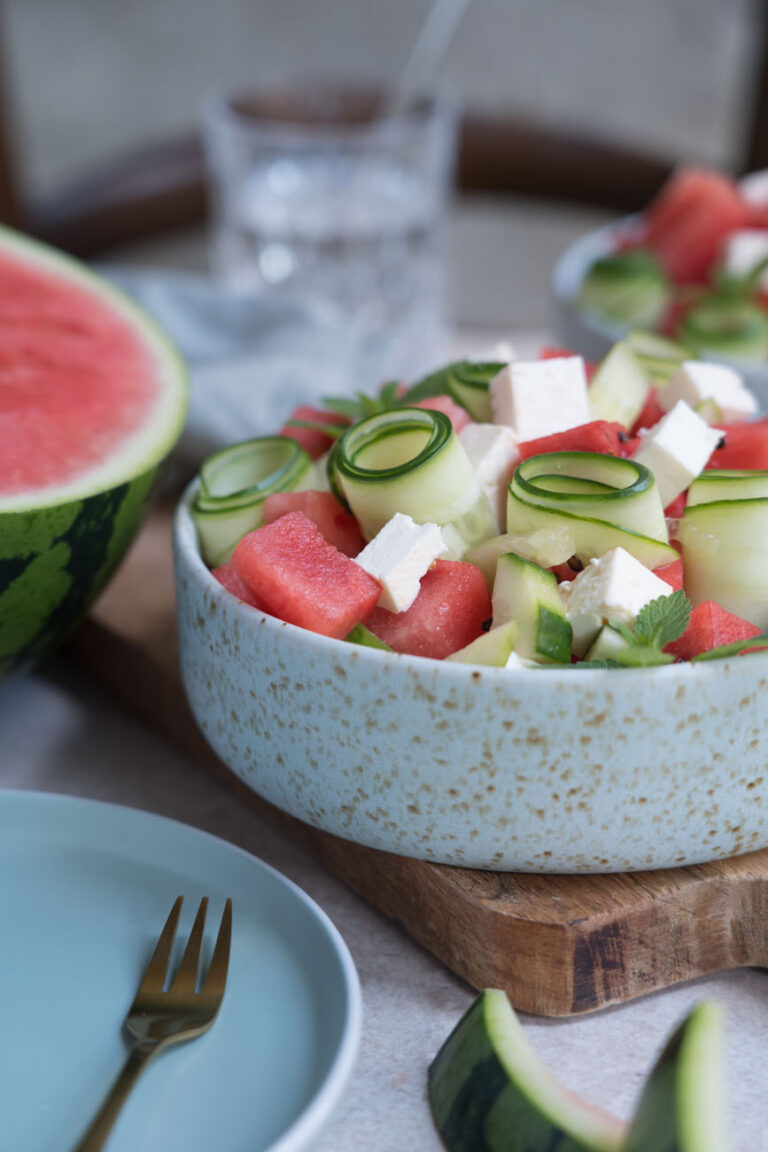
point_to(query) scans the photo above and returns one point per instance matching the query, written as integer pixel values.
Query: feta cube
(696, 382)
(537, 398)
(676, 450)
(515, 661)
(611, 589)
(754, 187)
(399, 556)
(492, 452)
(744, 250)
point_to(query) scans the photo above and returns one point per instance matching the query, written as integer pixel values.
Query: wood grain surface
(559, 945)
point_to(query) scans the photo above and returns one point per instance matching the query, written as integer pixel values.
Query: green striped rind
(681, 1105)
(55, 561)
(490, 1092)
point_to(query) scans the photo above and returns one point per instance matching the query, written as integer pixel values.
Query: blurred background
(87, 81)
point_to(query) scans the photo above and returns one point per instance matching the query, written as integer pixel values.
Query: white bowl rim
(185, 535)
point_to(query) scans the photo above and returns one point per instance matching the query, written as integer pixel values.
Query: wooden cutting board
(559, 945)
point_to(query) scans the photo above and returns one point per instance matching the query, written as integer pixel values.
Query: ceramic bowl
(528, 770)
(593, 335)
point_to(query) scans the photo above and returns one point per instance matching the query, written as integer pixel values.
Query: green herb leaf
(663, 620)
(735, 649)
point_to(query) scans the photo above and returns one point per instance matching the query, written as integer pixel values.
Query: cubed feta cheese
(611, 589)
(676, 449)
(539, 397)
(754, 187)
(492, 452)
(515, 661)
(399, 556)
(696, 382)
(744, 250)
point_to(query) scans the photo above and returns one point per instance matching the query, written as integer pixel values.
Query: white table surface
(60, 733)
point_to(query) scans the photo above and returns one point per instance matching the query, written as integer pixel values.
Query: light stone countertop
(59, 733)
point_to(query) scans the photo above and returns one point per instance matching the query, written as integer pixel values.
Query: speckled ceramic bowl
(539, 771)
(593, 335)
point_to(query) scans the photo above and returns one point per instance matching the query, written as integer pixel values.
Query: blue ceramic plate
(84, 891)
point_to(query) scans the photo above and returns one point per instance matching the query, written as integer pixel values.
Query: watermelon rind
(681, 1105)
(155, 440)
(60, 545)
(490, 1092)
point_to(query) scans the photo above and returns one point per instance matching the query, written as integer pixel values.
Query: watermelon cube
(650, 413)
(313, 440)
(336, 524)
(597, 436)
(449, 612)
(671, 573)
(710, 627)
(675, 510)
(745, 445)
(457, 415)
(303, 579)
(689, 220)
(230, 580)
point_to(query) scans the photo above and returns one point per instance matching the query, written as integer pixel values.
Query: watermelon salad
(518, 515)
(693, 266)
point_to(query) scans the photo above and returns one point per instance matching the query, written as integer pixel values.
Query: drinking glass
(338, 194)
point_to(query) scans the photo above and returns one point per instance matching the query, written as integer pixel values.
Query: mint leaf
(663, 620)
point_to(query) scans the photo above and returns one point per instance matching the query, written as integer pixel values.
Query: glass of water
(338, 195)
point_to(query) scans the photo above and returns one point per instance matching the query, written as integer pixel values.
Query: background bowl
(536, 771)
(593, 335)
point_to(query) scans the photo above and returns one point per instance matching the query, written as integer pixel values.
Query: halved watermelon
(92, 397)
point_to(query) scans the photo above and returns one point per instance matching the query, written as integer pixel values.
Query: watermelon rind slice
(681, 1105)
(490, 1092)
(60, 544)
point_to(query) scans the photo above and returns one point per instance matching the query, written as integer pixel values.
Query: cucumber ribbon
(410, 460)
(604, 502)
(724, 535)
(234, 484)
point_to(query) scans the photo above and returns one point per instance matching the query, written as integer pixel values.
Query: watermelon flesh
(92, 397)
(301, 578)
(710, 627)
(458, 416)
(449, 612)
(323, 509)
(672, 573)
(689, 221)
(598, 436)
(745, 446)
(229, 579)
(314, 441)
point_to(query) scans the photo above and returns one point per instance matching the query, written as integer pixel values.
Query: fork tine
(186, 977)
(217, 972)
(154, 977)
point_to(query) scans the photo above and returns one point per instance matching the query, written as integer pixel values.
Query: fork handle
(101, 1125)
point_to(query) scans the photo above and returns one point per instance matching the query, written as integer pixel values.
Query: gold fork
(157, 1018)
